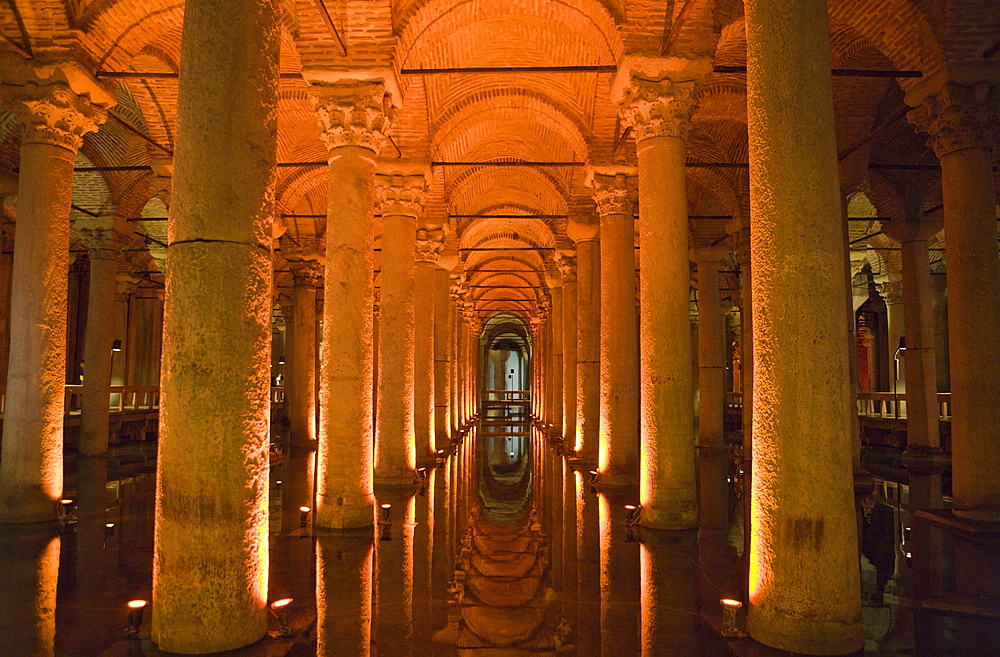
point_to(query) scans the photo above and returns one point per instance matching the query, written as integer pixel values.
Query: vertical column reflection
(619, 582)
(344, 594)
(588, 564)
(669, 593)
(392, 629)
(29, 571)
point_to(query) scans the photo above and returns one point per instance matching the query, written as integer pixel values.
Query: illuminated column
(307, 275)
(566, 261)
(453, 355)
(55, 119)
(429, 245)
(620, 582)
(104, 249)
(892, 293)
(211, 523)
(29, 576)
(712, 450)
(353, 122)
(400, 200)
(657, 99)
(442, 351)
(588, 340)
(556, 321)
(343, 594)
(615, 195)
(961, 121)
(392, 628)
(804, 577)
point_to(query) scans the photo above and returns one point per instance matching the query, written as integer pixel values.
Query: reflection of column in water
(343, 594)
(442, 563)
(588, 555)
(555, 535)
(619, 582)
(568, 530)
(720, 576)
(92, 558)
(423, 554)
(29, 572)
(668, 594)
(393, 624)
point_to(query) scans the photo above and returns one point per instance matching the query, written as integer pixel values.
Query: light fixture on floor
(281, 360)
(116, 345)
(730, 607)
(385, 522)
(632, 514)
(304, 516)
(439, 457)
(280, 609)
(594, 478)
(65, 512)
(135, 609)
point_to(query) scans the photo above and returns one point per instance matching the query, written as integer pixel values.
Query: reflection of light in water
(29, 569)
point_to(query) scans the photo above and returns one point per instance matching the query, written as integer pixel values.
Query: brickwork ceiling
(562, 118)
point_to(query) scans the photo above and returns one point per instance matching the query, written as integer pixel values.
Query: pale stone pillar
(892, 293)
(442, 352)
(556, 341)
(453, 354)
(354, 117)
(307, 275)
(566, 262)
(429, 245)
(104, 249)
(615, 195)
(657, 101)
(588, 345)
(804, 577)
(210, 541)
(125, 285)
(712, 449)
(400, 201)
(962, 123)
(55, 118)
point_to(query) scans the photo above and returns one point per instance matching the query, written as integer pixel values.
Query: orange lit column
(453, 355)
(429, 244)
(55, 119)
(588, 345)
(712, 451)
(619, 579)
(210, 554)
(566, 262)
(804, 578)
(442, 351)
(104, 249)
(353, 125)
(400, 200)
(615, 195)
(556, 321)
(961, 121)
(344, 594)
(657, 101)
(307, 275)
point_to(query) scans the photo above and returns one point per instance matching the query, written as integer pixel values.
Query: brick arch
(522, 186)
(536, 232)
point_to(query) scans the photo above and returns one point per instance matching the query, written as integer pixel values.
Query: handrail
(882, 405)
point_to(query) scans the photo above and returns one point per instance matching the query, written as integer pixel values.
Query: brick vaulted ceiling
(560, 117)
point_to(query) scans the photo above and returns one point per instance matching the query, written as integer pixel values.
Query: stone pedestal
(210, 542)
(55, 119)
(615, 195)
(804, 577)
(400, 199)
(307, 276)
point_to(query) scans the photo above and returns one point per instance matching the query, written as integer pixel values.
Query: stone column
(104, 249)
(566, 261)
(712, 450)
(354, 117)
(804, 577)
(962, 123)
(892, 293)
(556, 340)
(211, 525)
(55, 118)
(453, 379)
(400, 201)
(657, 101)
(125, 285)
(615, 195)
(307, 275)
(429, 245)
(442, 352)
(588, 340)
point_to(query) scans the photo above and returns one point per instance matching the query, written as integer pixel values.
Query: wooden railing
(506, 395)
(883, 405)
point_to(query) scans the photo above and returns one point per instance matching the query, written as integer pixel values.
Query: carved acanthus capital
(125, 286)
(399, 195)
(658, 108)
(566, 262)
(356, 113)
(614, 193)
(891, 291)
(959, 117)
(98, 234)
(429, 245)
(307, 272)
(53, 114)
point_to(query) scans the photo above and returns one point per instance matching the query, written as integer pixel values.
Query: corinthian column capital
(98, 234)
(307, 272)
(959, 117)
(429, 245)
(398, 194)
(353, 113)
(615, 190)
(566, 262)
(658, 108)
(53, 114)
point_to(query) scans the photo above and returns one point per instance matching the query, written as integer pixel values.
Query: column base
(394, 478)
(796, 634)
(669, 509)
(27, 507)
(345, 512)
(617, 480)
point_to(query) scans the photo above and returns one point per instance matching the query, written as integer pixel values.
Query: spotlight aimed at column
(730, 608)
(135, 611)
(281, 360)
(595, 477)
(116, 345)
(439, 457)
(632, 514)
(304, 516)
(420, 477)
(281, 610)
(109, 528)
(385, 522)
(64, 511)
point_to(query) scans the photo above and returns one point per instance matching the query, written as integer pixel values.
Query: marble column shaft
(55, 119)
(442, 359)
(804, 576)
(556, 373)
(211, 525)
(588, 350)
(428, 249)
(567, 268)
(303, 359)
